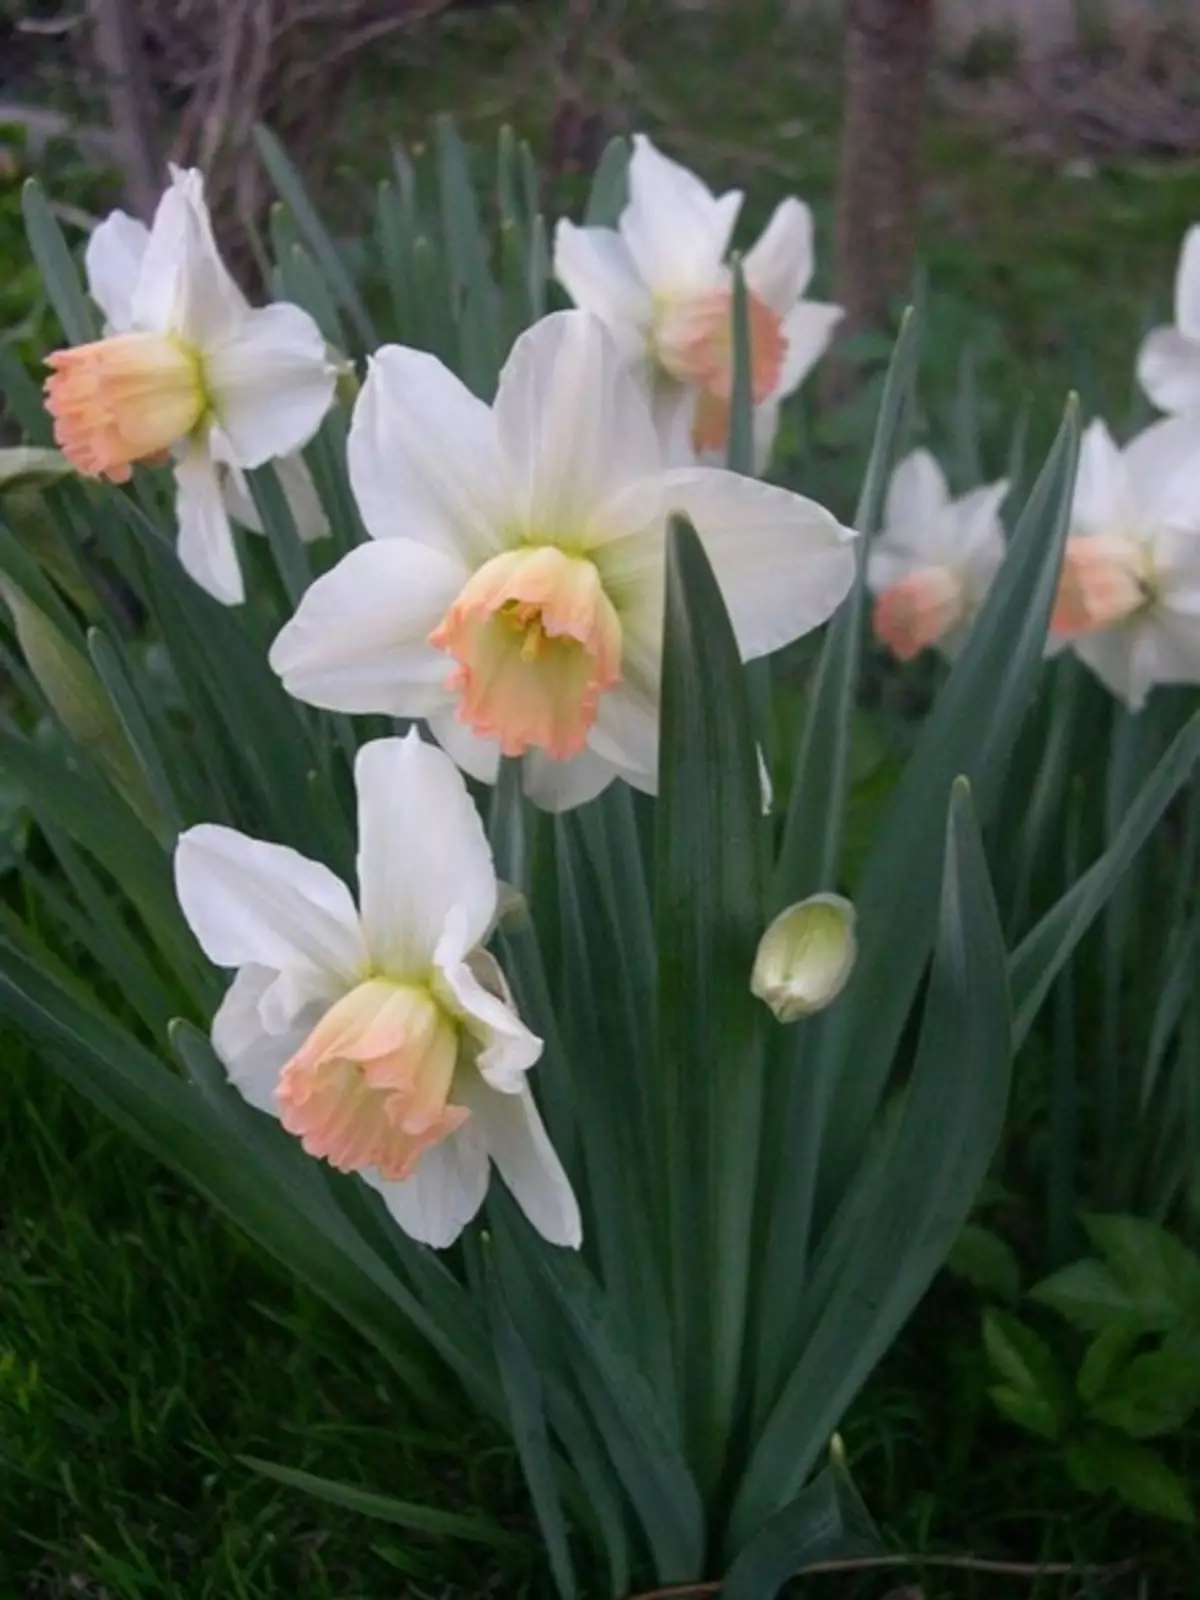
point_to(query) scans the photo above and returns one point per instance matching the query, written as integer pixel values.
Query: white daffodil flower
(382, 1037)
(1129, 597)
(1168, 365)
(661, 283)
(933, 560)
(189, 370)
(512, 592)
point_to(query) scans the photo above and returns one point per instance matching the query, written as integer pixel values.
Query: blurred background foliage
(143, 1348)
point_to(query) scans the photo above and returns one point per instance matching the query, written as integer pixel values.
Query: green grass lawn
(143, 1348)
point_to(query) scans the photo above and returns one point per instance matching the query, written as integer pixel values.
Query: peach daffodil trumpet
(512, 592)
(189, 372)
(662, 283)
(934, 559)
(382, 1036)
(1128, 600)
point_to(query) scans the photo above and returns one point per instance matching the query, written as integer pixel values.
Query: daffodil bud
(76, 695)
(65, 677)
(805, 956)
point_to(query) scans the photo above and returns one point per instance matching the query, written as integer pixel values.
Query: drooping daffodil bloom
(933, 560)
(1129, 597)
(1168, 365)
(382, 1037)
(189, 371)
(512, 592)
(805, 958)
(662, 282)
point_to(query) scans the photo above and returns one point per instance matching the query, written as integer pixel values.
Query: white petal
(424, 459)
(270, 382)
(595, 268)
(304, 503)
(478, 758)
(1103, 500)
(1176, 557)
(517, 1142)
(916, 497)
(1168, 369)
(673, 407)
(444, 1193)
(784, 563)
(299, 490)
(206, 547)
(1110, 655)
(422, 854)
(677, 230)
(625, 733)
(888, 561)
(1187, 285)
(112, 261)
(251, 1054)
(978, 533)
(563, 785)
(360, 638)
(1163, 467)
(808, 329)
(779, 266)
(507, 1047)
(574, 426)
(1169, 648)
(251, 903)
(184, 287)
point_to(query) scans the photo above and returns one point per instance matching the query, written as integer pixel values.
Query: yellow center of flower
(370, 1085)
(124, 399)
(1105, 579)
(537, 642)
(694, 344)
(919, 610)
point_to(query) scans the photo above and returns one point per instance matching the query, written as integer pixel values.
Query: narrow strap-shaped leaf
(902, 1213)
(279, 525)
(808, 863)
(967, 426)
(816, 1526)
(1179, 976)
(610, 185)
(1037, 960)
(135, 725)
(302, 281)
(383, 1508)
(90, 814)
(394, 242)
(295, 196)
(809, 853)
(971, 730)
(480, 354)
(624, 1193)
(709, 871)
(56, 265)
(94, 921)
(602, 1502)
(24, 399)
(627, 1415)
(523, 1392)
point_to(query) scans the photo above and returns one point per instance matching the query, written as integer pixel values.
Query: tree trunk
(887, 54)
(119, 52)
